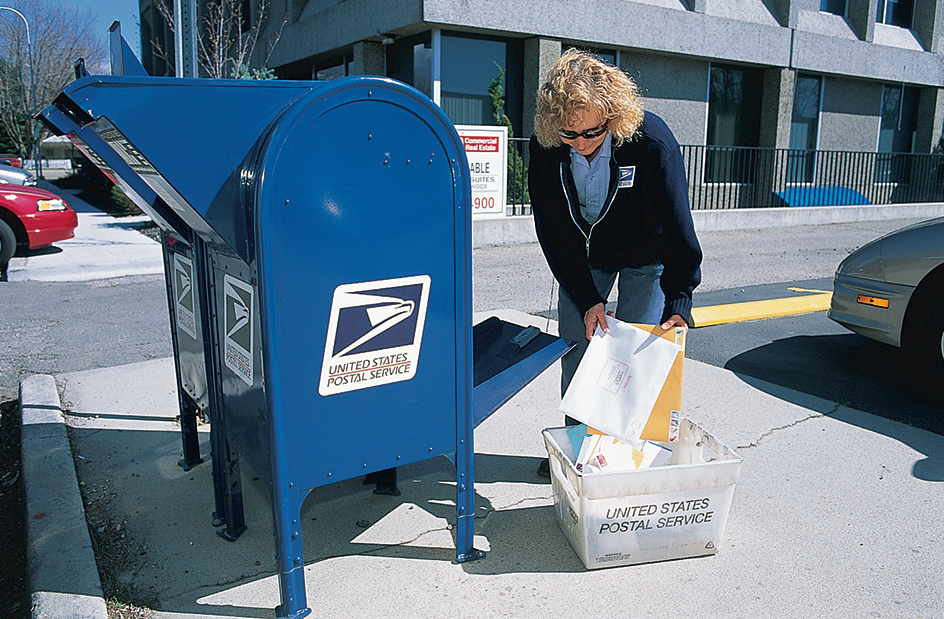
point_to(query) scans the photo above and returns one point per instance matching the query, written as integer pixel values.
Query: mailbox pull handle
(524, 338)
(80, 70)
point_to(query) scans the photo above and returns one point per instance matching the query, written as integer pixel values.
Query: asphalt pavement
(834, 513)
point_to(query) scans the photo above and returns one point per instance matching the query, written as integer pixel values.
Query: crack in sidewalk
(510, 506)
(480, 515)
(770, 432)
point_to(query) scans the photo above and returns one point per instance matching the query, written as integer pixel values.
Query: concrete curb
(754, 218)
(520, 228)
(63, 576)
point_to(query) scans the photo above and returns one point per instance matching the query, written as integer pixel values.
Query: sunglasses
(589, 134)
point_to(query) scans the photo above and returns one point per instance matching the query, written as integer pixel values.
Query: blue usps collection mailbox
(327, 229)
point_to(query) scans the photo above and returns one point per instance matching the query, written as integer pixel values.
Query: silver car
(892, 290)
(16, 176)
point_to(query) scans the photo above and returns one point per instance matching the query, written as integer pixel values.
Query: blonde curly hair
(580, 82)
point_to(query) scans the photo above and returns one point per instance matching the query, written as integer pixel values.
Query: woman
(610, 201)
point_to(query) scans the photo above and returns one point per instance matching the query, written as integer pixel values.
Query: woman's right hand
(596, 315)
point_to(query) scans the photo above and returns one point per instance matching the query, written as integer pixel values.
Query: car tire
(7, 244)
(927, 335)
(935, 341)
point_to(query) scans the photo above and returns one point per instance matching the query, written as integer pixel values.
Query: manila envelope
(663, 424)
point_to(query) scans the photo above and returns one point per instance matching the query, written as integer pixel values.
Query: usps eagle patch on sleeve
(627, 174)
(374, 333)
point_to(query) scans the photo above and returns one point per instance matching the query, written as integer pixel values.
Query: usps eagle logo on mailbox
(374, 334)
(237, 328)
(183, 291)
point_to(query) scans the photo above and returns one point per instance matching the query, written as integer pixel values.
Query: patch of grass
(108, 198)
(118, 610)
(73, 181)
(122, 202)
(112, 201)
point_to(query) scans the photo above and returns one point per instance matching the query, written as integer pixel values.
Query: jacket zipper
(573, 218)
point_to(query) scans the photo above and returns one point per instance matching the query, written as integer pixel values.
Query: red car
(32, 218)
(10, 159)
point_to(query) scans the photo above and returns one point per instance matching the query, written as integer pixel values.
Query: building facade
(843, 75)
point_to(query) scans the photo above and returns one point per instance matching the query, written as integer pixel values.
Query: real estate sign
(486, 148)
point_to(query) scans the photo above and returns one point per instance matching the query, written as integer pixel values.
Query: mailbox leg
(219, 459)
(465, 503)
(188, 432)
(219, 476)
(290, 558)
(227, 484)
(229, 491)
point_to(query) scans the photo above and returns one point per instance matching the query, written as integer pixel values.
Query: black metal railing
(723, 177)
(519, 203)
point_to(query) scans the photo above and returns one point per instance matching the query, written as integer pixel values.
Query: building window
(469, 65)
(338, 67)
(156, 33)
(899, 109)
(606, 55)
(410, 61)
(245, 13)
(468, 68)
(895, 12)
(836, 7)
(734, 103)
(804, 127)
(896, 133)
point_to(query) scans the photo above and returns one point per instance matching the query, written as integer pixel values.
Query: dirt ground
(14, 603)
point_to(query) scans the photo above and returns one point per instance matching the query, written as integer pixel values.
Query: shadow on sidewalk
(860, 375)
(169, 556)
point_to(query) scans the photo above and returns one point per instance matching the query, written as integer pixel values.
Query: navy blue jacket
(645, 220)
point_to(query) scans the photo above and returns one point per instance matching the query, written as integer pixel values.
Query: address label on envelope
(629, 383)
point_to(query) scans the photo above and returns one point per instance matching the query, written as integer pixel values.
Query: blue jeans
(640, 299)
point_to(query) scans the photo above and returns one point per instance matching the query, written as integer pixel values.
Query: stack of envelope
(601, 453)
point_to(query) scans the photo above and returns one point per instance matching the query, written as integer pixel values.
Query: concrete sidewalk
(835, 515)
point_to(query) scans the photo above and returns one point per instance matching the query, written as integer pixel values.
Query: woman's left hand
(675, 321)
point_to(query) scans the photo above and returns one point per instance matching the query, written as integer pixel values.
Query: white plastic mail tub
(627, 517)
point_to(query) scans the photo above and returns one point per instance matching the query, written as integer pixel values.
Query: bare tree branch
(165, 55)
(224, 49)
(59, 35)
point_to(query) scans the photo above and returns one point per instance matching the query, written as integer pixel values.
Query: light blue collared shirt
(592, 179)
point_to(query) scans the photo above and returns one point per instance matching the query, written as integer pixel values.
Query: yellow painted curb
(755, 310)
